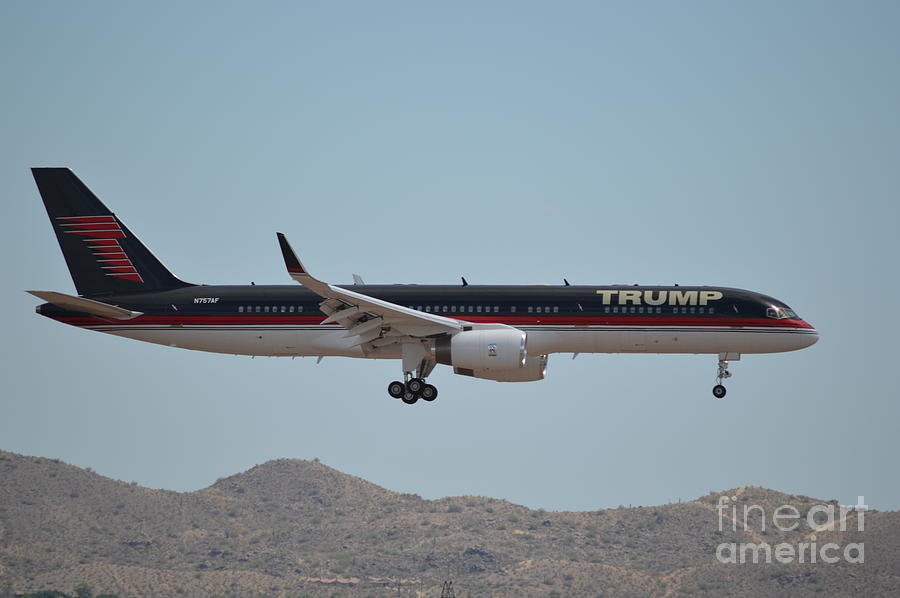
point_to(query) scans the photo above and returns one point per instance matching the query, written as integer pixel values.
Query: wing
(374, 321)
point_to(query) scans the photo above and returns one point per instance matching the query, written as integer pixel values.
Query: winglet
(296, 270)
(294, 267)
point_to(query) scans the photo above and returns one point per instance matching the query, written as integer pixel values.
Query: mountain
(291, 528)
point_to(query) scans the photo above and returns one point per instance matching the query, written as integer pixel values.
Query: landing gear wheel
(409, 397)
(415, 385)
(718, 391)
(428, 393)
(396, 389)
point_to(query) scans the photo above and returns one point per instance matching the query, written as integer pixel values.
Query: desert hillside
(291, 528)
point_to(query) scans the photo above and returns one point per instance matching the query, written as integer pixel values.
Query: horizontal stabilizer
(89, 306)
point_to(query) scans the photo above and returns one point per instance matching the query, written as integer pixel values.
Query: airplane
(502, 333)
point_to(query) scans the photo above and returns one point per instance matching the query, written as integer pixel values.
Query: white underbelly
(276, 341)
(583, 339)
(330, 341)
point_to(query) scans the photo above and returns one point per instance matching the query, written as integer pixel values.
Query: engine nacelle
(493, 350)
(535, 368)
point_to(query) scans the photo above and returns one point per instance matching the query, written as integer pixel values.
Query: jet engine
(494, 354)
(484, 349)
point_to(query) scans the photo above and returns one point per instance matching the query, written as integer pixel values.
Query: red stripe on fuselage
(287, 319)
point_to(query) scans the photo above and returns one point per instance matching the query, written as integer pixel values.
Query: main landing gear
(417, 364)
(412, 390)
(723, 373)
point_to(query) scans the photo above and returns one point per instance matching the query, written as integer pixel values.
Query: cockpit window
(781, 313)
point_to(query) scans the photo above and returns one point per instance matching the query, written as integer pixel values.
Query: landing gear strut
(723, 373)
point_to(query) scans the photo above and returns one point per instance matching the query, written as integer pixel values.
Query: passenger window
(539, 309)
(556, 309)
(266, 309)
(471, 308)
(428, 309)
(606, 309)
(496, 309)
(615, 309)
(478, 308)
(257, 309)
(240, 309)
(530, 309)
(693, 309)
(513, 309)
(444, 309)
(712, 310)
(453, 308)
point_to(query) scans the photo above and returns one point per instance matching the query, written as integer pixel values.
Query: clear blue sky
(753, 145)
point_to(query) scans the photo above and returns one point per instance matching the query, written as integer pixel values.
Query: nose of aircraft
(810, 336)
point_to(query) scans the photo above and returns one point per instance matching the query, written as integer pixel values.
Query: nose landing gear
(723, 373)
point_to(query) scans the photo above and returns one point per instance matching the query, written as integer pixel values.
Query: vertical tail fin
(103, 256)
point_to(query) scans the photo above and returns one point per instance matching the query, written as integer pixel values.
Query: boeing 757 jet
(504, 333)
